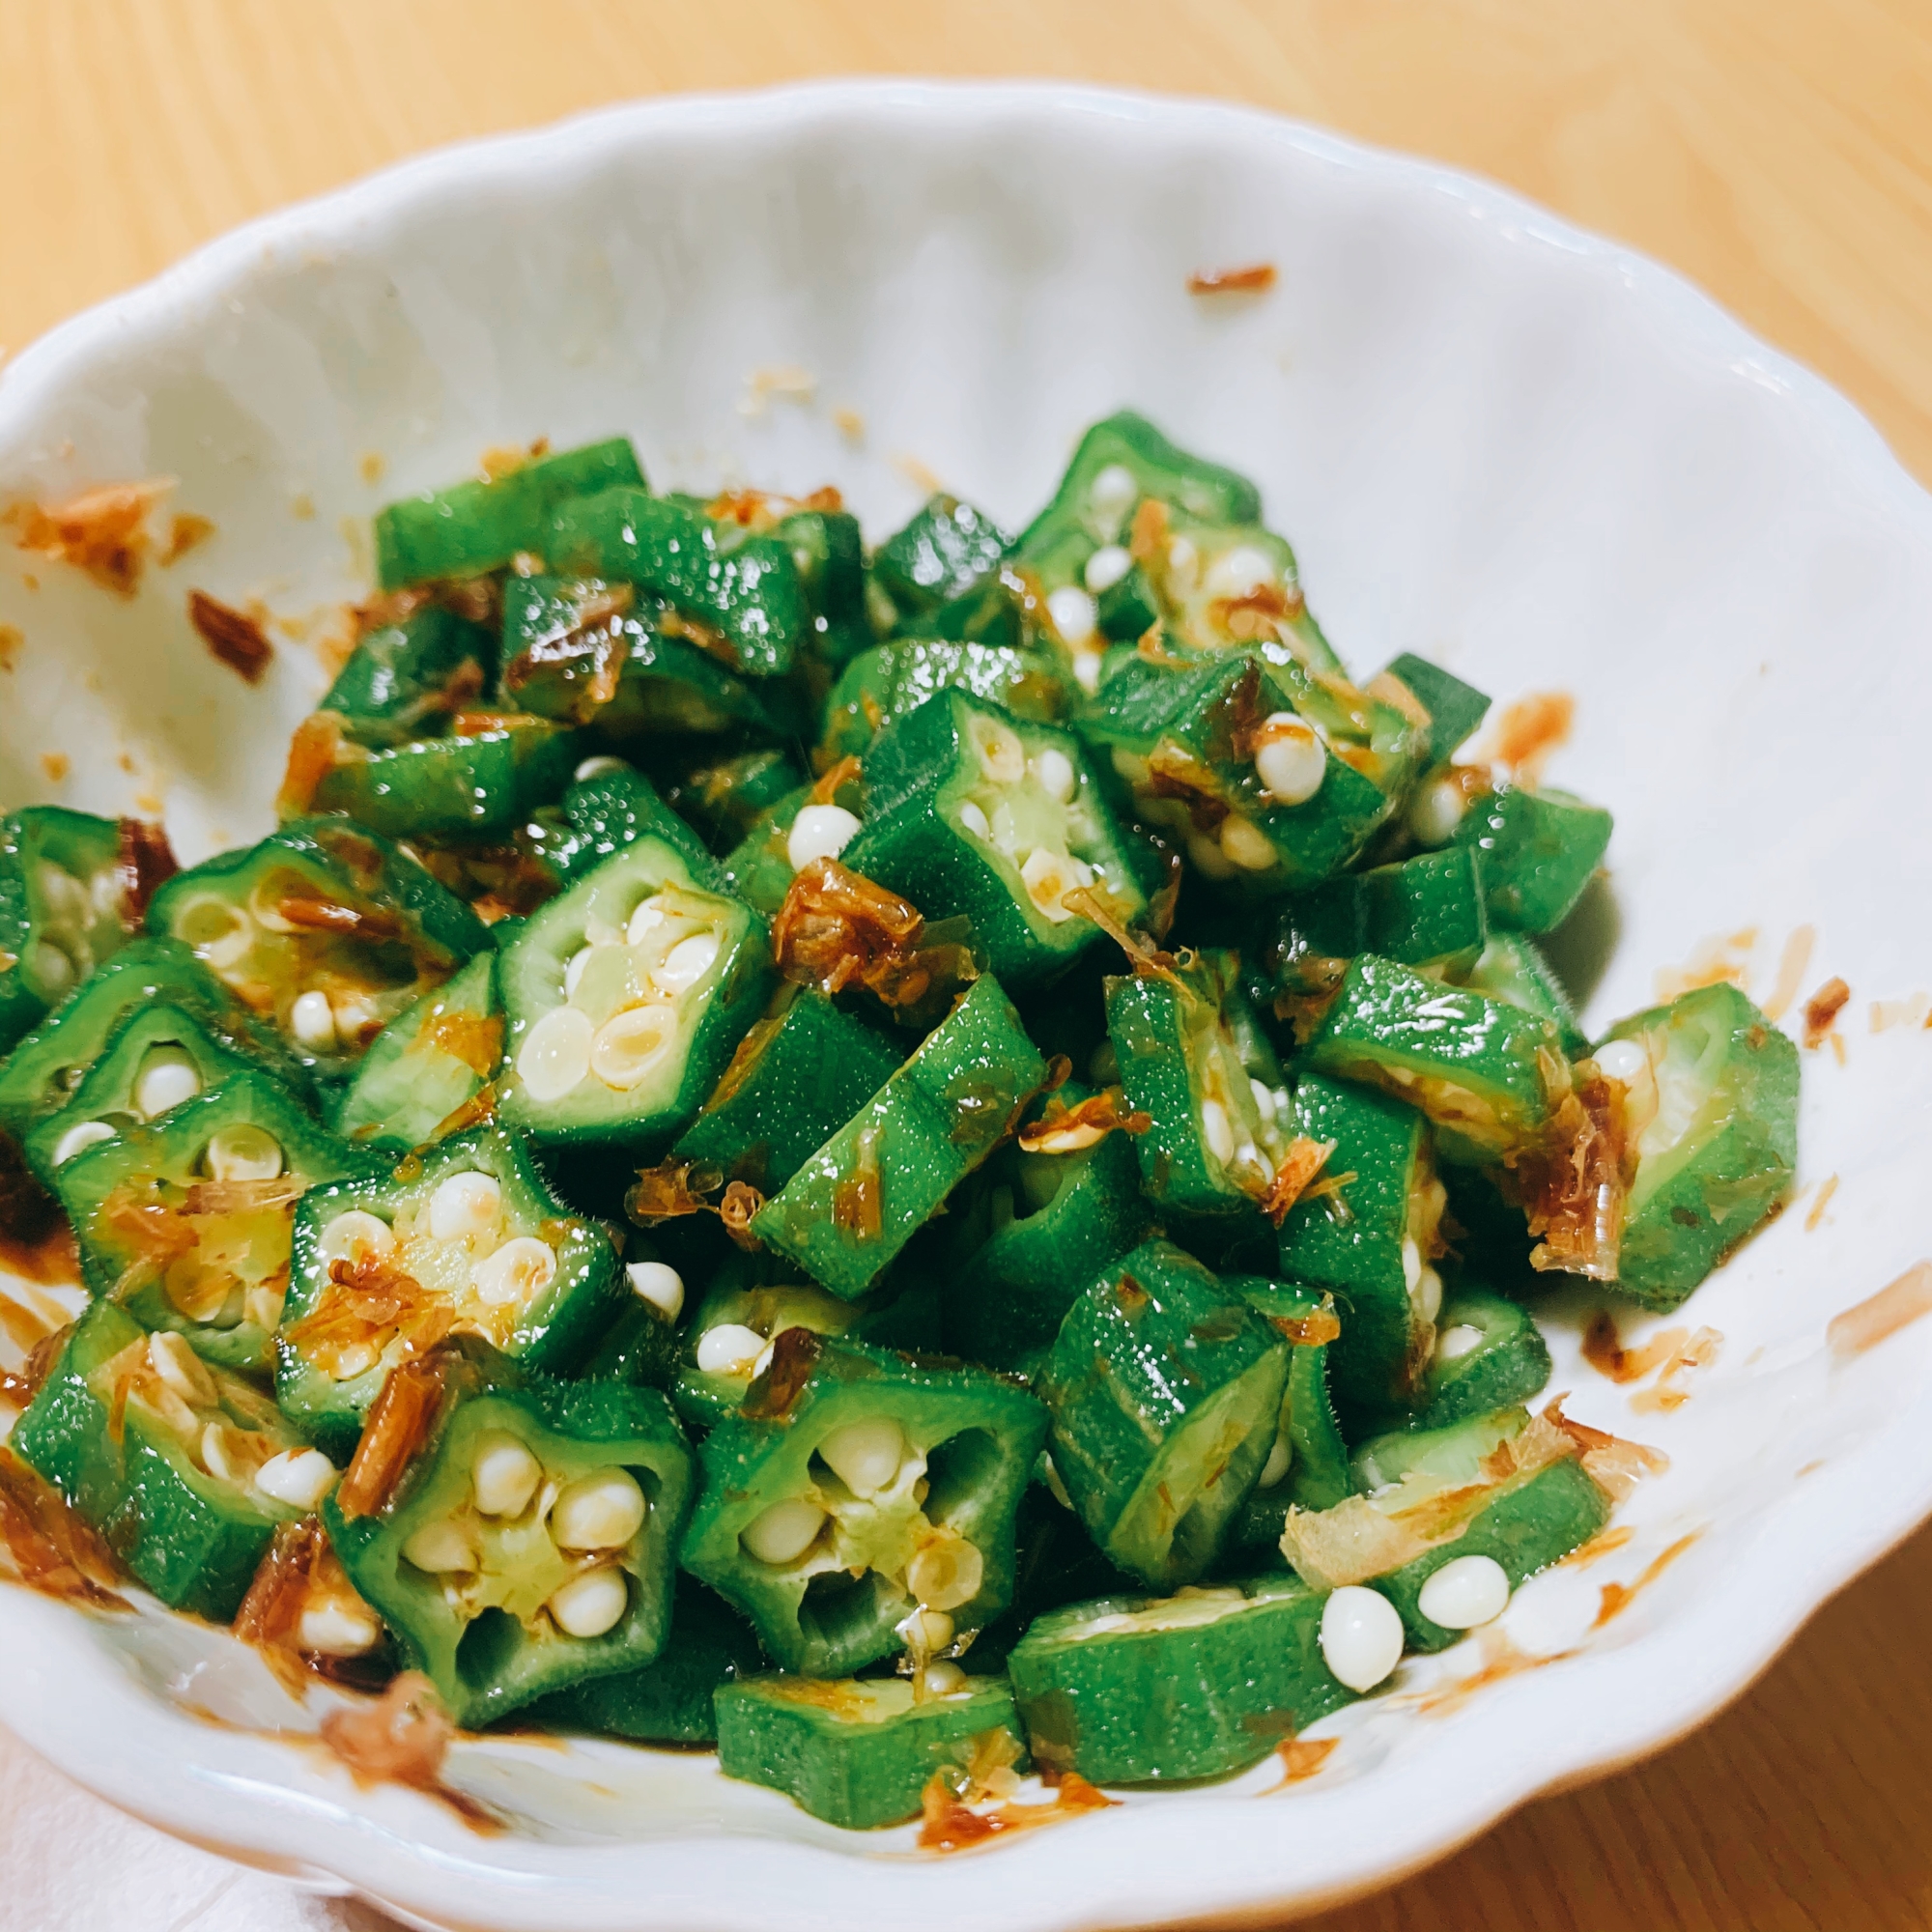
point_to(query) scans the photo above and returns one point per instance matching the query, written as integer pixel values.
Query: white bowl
(1493, 440)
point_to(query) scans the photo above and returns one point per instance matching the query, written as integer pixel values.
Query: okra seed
(556, 1056)
(516, 1273)
(1048, 878)
(1181, 559)
(338, 1629)
(645, 919)
(1362, 1636)
(1087, 670)
(1622, 1061)
(443, 1548)
(947, 1572)
(764, 1360)
(629, 1044)
(1208, 856)
(61, 894)
(1264, 1099)
(79, 1138)
(1275, 1469)
(866, 1455)
(1246, 844)
(1411, 1264)
(1113, 492)
(1073, 614)
(573, 970)
(1054, 770)
(220, 932)
(929, 1631)
(589, 1604)
(312, 1021)
(243, 1152)
(1428, 1294)
(214, 1456)
(601, 1511)
(943, 1680)
(598, 768)
(728, 1349)
(975, 821)
(466, 1206)
(1106, 567)
(354, 1235)
(784, 1532)
(1437, 811)
(1465, 1592)
(49, 967)
(820, 831)
(662, 1286)
(690, 960)
(1002, 755)
(1457, 1342)
(503, 1474)
(298, 1477)
(1290, 760)
(1239, 572)
(168, 1076)
(1217, 1132)
(178, 1367)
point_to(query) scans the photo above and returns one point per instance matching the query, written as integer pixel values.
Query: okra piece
(609, 806)
(868, 1190)
(973, 814)
(587, 652)
(60, 909)
(626, 997)
(407, 679)
(730, 1341)
(1140, 1690)
(479, 525)
(1511, 968)
(946, 549)
(478, 783)
(1489, 1355)
(1178, 1039)
(829, 554)
(854, 1490)
(724, 582)
(1274, 779)
(1539, 850)
(155, 1060)
(323, 928)
(517, 1535)
(722, 801)
(1425, 912)
(1711, 1111)
(464, 1238)
(1307, 1464)
(860, 1752)
(1486, 1073)
(1054, 1216)
(187, 1471)
(797, 1076)
(1455, 708)
(1164, 1386)
(186, 1222)
(427, 1065)
(669, 1700)
(1055, 1563)
(1374, 1242)
(893, 679)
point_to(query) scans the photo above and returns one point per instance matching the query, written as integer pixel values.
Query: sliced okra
(798, 1075)
(1489, 1355)
(517, 1535)
(1539, 851)
(669, 1702)
(609, 806)
(1486, 1073)
(864, 1193)
(854, 1492)
(407, 679)
(1055, 1562)
(860, 1752)
(479, 525)
(61, 902)
(946, 549)
(187, 1471)
(1710, 1108)
(463, 1239)
(1140, 1690)
(977, 815)
(1164, 1386)
(186, 1222)
(1374, 1241)
(1511, 968)
(830, 555)
(625, 998)
(1455, 708)
(724, 798)
(323, 928)
(886, 682)
(1052, 1215)
(1190, 1060)
(1425, 912)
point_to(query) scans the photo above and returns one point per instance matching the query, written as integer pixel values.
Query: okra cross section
(187, 1471)
(1139, 1690)
(517, 1535)
(863, 1196)
(625, 998)
(464, 1238)
(1489, 1355)
(979, 814)
(860, 1752)
(855, 1492)
(60, 909)
(893, 679)
(1165, 1388)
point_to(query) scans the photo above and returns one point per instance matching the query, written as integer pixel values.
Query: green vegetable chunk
(610, 806)
(160, 1453)
(1164, 1388)
(853, 1488)
(1139, 1690)
(1455, 708)
(407, 679)
(1425, 912)
(528, 1542)
(60, 909)
(429, 1062)
(723, 800)
(1539, 850)
(1511, 968)
(946, 549)
(868, 1189)
(891, 680)
(859, 1752)
(1489, 1355)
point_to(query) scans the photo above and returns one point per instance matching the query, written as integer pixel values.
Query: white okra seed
(659, 1284)
(728, 1349)
(298, 1477)
(589, 1604)
(820, 831)
(79, 1138)
(865, 1455)
(601, 1511)
(168, 1076)
(784, 1532)
(1106, 567)
(1360, 1636)
(1465, 1592)
(503, 1474)
(466, 1206)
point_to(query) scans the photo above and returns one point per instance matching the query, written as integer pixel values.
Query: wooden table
(1779, 151)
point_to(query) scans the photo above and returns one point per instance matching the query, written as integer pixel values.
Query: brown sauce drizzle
(836, 929)
(1300, 1759)
(1822, 1010)
(1870, 1321)
(1256, 278)
(402, 1738)
(1300, 1165)
(102, 532)
(1617, 1597)
(948, 1824)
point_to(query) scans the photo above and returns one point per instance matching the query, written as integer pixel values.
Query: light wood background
(1779, 151)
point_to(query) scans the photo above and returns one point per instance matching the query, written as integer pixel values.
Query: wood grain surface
(1777, 152)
